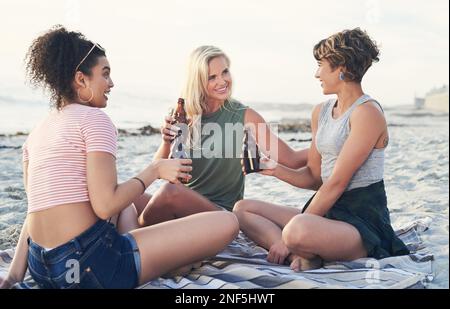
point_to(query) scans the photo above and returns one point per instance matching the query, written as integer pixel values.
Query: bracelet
(142, 183)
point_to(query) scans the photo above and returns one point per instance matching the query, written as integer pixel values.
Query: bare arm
(307, 177)
(163, 151)
(108, 197)
(167, 133)
(368, 124)
(19, 263)
(271, 145)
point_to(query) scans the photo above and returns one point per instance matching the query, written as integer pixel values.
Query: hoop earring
(83, 101)
(341, 76)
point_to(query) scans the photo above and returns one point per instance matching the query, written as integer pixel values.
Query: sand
(416, 177)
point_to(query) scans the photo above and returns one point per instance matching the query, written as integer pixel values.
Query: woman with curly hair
(69, 165)
(347, 218)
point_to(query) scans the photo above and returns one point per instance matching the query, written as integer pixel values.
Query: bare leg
(170, 245)
(127, 220)
(141, 202)
(309, 237)
(174, 201)
(263, 222)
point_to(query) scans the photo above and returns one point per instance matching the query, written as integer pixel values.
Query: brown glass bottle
(178, 147)
(179, 113)
(250, 154)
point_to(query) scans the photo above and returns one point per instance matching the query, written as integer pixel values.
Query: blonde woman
(217, 181)
(348, 217)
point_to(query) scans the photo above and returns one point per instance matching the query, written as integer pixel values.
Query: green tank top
(216, 167)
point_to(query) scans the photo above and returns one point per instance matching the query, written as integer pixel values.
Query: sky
(269, 42)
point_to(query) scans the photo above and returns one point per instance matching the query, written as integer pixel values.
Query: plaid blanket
(243, 265)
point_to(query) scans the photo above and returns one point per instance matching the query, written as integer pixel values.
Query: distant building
(419, 102)
(437, 99)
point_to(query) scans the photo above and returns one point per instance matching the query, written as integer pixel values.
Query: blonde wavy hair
(195, 87)
(352, 49)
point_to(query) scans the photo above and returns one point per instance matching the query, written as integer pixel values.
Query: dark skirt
(366, 209)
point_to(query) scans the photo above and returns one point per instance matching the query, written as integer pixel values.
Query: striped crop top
(56, 151)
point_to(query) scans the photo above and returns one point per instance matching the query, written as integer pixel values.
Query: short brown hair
(352, 49)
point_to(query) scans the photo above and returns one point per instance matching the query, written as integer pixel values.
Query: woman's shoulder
(320, 108)
(93, 117)
(369, 114)
(236, 104)
(86, 109)
(368, 107)
(236, 110)
(90, 112)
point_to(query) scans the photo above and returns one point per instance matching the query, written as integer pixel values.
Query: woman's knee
(168, 193)
(297, 234)
(241, 206)
(230, 224)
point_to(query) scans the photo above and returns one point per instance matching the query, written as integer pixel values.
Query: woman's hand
(6, 283)
(174, 169)
(168, 130)
(267, 166)
(278, 252)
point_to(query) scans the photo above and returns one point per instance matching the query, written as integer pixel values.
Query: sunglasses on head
(88, 53)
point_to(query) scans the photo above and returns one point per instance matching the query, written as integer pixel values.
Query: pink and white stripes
(56, 152)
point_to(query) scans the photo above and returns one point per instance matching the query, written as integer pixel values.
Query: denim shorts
(98, 258)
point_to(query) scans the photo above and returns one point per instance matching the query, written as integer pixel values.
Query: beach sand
(416, 177)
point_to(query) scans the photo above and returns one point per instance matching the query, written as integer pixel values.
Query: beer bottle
(179, 113)
(250, 155)
(178, 147)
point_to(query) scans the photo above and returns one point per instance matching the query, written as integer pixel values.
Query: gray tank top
(330, 138)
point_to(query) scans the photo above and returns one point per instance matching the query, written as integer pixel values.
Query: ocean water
(20, 113)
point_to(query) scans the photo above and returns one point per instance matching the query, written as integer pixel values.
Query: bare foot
(299, 263)
(182, 271)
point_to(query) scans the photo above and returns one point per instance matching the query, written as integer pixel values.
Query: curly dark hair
(352, 49)
(52, 59)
